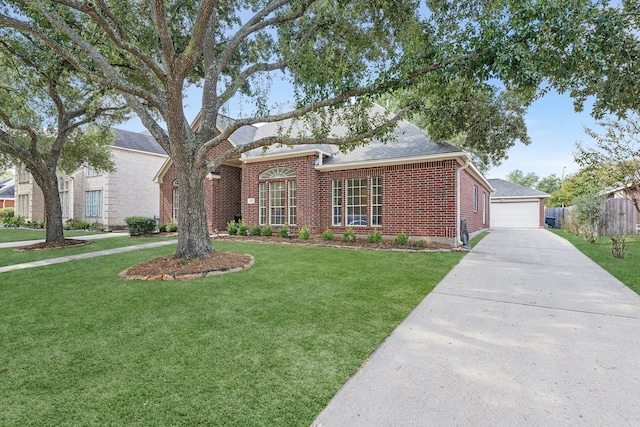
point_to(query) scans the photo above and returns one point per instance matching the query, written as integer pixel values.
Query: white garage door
(515, 214)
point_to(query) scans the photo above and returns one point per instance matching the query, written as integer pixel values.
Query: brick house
(410, 185)
(102, 197)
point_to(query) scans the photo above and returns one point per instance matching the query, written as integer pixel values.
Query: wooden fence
(627, 223)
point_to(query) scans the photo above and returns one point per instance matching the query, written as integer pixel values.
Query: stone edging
(125, 276)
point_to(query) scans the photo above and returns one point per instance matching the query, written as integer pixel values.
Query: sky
(553, 125)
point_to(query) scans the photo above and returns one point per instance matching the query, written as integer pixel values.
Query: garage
(516, 206)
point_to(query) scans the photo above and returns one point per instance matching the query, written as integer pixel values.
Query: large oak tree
(51, 119)
(337, 56)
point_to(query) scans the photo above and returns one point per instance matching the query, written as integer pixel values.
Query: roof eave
(394, 161)
(285, 155)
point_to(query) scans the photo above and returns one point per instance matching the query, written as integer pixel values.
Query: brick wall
(474, 217)
(222, 195)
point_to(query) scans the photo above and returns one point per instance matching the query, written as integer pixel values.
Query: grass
(624, 269)
(270, 345)
(21, 234)
(10, 257)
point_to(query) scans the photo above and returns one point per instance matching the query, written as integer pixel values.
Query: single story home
(517, 206)
(409, 185)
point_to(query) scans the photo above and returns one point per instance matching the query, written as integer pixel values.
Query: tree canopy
(51, 118)
(338, 56)
(518, 177)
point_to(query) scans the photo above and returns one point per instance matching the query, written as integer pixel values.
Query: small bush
(375, 237)
(6, 213)
(284, 231)
(173, 226)
(242, 229)
(256, 230)
(76, 224)
(15, 221)
(304, 233)
(422, 243)
(98, 226)
(328, 235)
(140, 225)
(267, 231)
(162, 228)
(34, 224)
(349, 235)
(232, 227)
(401, 239)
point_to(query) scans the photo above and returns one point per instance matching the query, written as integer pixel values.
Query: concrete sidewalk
(86, 255)
(526, 330)
(87, 237)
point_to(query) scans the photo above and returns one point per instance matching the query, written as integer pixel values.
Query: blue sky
(554, 128)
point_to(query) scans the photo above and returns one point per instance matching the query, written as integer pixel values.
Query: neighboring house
(410, 185)
(7, 190)
(514, 205)
(103, 197)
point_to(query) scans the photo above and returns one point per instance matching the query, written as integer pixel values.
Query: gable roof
(409, 143)
(7, 188)
(137, 141)
(506, 189)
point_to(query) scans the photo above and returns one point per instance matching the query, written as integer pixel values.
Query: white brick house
(104, 197)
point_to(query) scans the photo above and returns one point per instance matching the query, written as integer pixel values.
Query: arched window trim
(278, 172)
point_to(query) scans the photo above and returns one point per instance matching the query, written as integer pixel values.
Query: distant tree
(588, 210)
(51, 119)
(581, 183)
(615, 158)
(518, 177)
(549, 184)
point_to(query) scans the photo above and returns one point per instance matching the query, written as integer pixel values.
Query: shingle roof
(7, 188)
(509, 189)
(137, 141)
(410, 141)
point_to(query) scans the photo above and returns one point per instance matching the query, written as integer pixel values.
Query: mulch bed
(66, 243)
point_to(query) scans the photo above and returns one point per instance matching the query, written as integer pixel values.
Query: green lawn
(627, 269)
(10, 257)
(20, 234)
(268, 346)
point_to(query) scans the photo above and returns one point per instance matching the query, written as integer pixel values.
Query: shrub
(242, 229)
(401, 239)
(6, 213)
(328, 235)
(140, 225)
(267, 231)
(256, 230)
(304, 233)
(163, 228)
(76, 224)
(232, 227)
(34, 224)
(375, 237)
(98, 226)
(284, 231)
(349, 235)
(422, 243)
(589, 211)
(173, 226)
(15, 221)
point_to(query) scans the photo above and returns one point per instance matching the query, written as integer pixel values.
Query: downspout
(460, 169)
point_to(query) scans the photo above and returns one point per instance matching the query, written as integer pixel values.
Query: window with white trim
(291, 194)
(277, 197)
(336, 202)
(93, 203)
(23, 205)
(276, 203)
(23, 174)
(93, 172)
(376, 200)
(475, 198)
(356, 201)
(262, 203)
(63, 191)
(175, 202)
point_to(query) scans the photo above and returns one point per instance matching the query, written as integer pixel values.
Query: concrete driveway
(524, 331)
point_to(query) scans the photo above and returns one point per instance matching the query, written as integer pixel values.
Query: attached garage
(516, 206)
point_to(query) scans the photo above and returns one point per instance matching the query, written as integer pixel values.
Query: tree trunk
(193, 234)
(53, 209)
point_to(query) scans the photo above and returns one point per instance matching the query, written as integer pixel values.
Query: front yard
(266, 346)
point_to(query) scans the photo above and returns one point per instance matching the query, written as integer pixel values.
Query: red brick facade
(419, 199)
